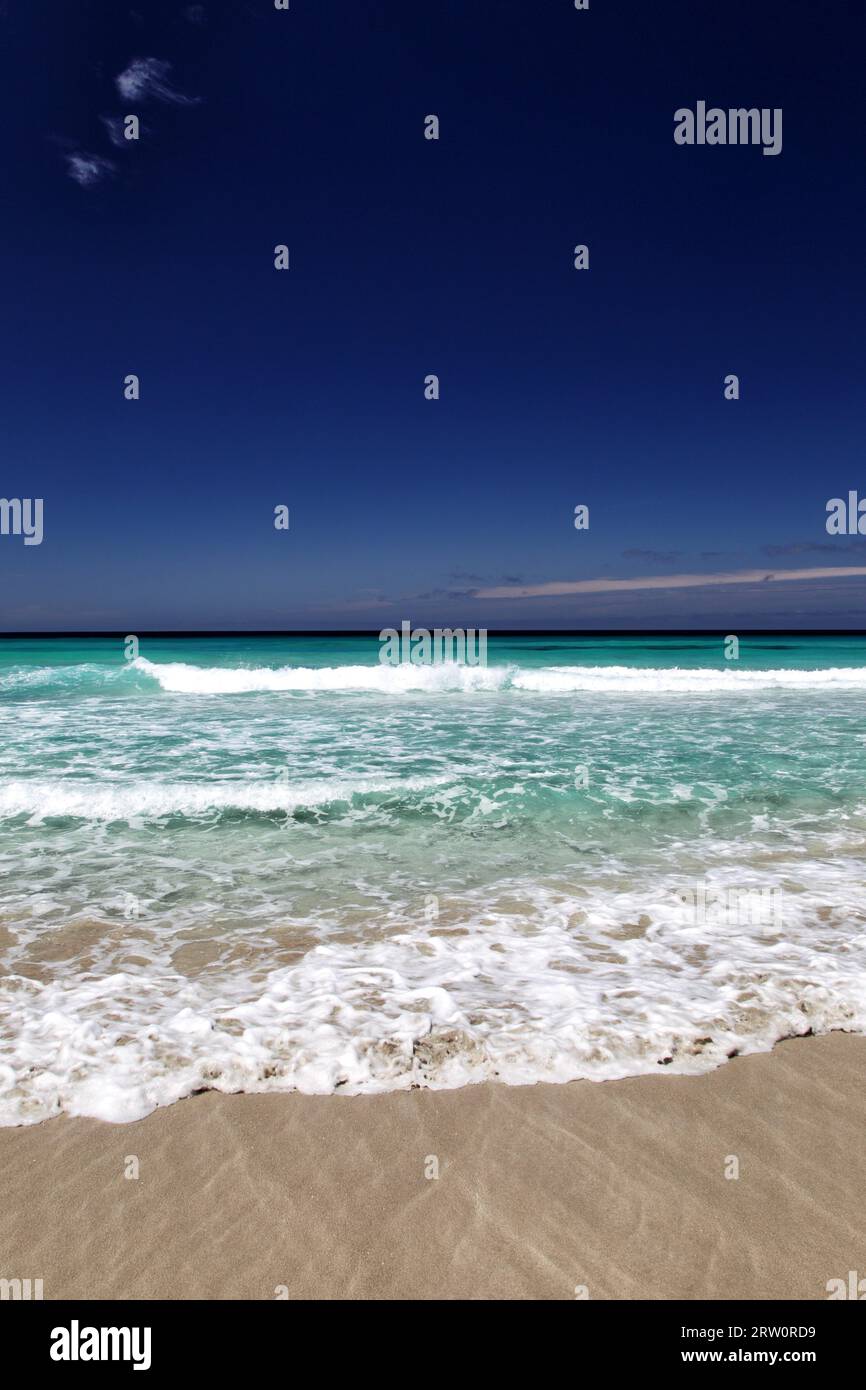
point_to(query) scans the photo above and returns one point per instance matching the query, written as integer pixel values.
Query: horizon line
(121, 634)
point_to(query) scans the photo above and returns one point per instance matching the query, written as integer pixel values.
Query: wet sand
(619, 1188)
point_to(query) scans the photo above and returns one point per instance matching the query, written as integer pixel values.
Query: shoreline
(618, 1187)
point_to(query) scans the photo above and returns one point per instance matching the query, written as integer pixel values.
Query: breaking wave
(184, 679)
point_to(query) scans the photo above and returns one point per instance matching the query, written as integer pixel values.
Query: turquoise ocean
(265, 864)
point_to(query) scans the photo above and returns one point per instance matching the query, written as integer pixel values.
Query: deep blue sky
(412, 257)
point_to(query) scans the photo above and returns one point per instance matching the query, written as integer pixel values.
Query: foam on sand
(543, 1192)
(534, 987)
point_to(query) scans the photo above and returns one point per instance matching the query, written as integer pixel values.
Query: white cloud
(88, 169)
(556, 588)
(146, 78)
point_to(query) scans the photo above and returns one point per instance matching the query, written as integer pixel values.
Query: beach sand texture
(619, 1187)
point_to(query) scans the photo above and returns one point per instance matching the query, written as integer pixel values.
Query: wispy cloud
(819, 547)
(115, 130)
(556, 588)
(147, 79)
(654, 557)
(88, 169)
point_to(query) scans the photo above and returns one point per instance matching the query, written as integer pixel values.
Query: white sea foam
(182, 678)
(535, 985)
(43, 798)
(677, 681)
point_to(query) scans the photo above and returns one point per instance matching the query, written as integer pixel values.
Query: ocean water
(275, 864)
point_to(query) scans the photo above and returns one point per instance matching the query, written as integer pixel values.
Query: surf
(452, 677)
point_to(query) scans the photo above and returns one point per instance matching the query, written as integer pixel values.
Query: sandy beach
(619, 1187)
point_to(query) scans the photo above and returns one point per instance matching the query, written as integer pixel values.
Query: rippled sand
(619, 1187)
